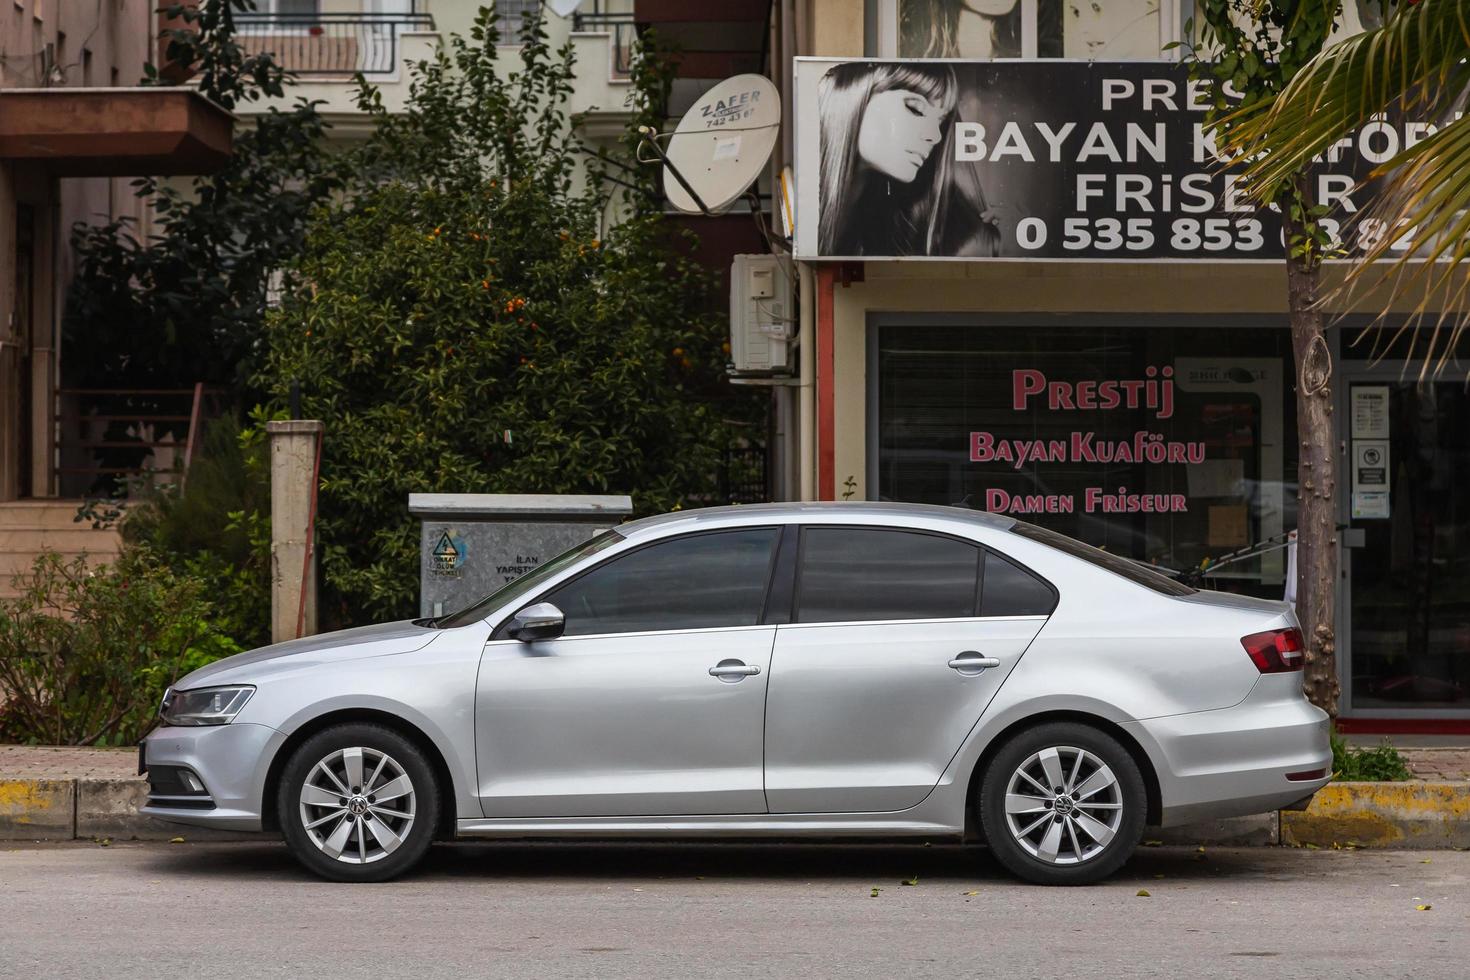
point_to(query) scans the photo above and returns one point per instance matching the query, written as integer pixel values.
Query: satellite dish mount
(719, 147)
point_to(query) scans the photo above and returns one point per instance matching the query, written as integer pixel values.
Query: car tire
(1088, 821)
(358, 802)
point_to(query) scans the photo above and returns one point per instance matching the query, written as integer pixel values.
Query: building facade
(1100, 345)
(74, 129)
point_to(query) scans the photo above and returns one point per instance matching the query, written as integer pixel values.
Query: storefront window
(1170, 445)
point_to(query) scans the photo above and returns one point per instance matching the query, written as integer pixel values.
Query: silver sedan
(780, 671)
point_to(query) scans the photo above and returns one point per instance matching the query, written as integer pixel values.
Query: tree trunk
(1316, 590)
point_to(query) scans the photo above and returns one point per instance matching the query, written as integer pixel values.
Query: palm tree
(1415, 235)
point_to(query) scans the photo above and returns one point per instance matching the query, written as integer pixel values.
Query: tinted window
(1010, 590)
(702, 581)
(1131, 570)
(861, 574)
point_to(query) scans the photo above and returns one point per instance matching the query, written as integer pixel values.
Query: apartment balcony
(327, 45)
(603, 34)
(329, 49)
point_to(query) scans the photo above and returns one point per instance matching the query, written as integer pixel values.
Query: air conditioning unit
(762, 315)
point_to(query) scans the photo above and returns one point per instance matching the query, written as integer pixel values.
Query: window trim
(975, 543)
(499, 632)
(781, 586)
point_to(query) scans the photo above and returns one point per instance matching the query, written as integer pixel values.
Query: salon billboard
(945, 159)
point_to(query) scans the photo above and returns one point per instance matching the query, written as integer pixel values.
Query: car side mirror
(541, 621)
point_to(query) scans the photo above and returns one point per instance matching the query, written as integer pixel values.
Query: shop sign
(1041, 160)
(1154, 393)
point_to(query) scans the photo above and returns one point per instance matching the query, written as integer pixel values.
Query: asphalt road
(578, 910)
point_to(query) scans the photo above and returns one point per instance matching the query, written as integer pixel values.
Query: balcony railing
(330, 44)
(623, 31)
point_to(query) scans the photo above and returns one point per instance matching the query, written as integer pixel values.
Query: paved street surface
(540, 910)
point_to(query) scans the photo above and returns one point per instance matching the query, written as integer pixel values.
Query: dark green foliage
(1246, 52)
(467, 323)
(185, 304)
(217, 528)
(85, 654)
(1382, 763)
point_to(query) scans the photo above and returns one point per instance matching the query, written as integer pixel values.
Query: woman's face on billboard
(899, 129)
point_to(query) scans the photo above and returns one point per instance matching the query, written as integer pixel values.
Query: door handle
(972, 661)
(733, 668)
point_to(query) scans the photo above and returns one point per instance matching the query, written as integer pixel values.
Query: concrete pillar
(293, 489)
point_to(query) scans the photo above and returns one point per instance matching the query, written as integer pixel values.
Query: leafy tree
(465, 322)
(1415, 64)
(1246, 53)
(185, 304)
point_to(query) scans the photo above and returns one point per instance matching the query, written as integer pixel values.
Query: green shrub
(1381, 763)
(86, 652)
(217, 528)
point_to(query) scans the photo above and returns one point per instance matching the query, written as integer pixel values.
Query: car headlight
(204, 705)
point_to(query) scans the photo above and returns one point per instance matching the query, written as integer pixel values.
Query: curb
(88, 809)
(1407, 816)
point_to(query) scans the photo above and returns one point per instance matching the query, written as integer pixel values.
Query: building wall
(50, 43)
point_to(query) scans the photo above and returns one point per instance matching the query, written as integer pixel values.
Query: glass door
(1408, 501)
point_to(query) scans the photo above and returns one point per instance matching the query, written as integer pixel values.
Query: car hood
(363, 641)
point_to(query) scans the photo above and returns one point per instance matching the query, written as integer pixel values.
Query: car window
(1010, 590)
(526, 583)
(700, 581)
(857, 574)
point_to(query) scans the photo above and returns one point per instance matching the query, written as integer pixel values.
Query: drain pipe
(807, 354)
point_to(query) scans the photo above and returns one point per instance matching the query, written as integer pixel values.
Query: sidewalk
(51, 793)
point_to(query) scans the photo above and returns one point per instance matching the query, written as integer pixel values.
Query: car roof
(857, 512)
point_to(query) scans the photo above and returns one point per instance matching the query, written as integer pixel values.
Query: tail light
(1276, 651)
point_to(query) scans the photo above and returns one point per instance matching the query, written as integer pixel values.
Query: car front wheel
(358, 802)
(1062, 804)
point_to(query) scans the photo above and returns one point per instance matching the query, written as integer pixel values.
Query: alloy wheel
(1063, 805)
(357, 805)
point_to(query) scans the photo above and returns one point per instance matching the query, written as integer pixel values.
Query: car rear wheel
(358, 802)
(1062, 804)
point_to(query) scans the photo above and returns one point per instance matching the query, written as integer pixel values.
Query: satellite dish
(721, 144)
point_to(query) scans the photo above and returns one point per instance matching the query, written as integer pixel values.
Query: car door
(878, 678)
(651, 703)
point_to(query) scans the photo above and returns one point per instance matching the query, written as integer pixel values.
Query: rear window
(1118, 565)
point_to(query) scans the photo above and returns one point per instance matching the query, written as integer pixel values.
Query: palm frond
(1412, 63)
(1412, 240)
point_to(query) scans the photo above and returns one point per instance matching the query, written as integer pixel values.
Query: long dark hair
(863, 215)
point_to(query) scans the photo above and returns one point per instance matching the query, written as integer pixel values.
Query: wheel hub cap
(1063, 805)
(357, 805)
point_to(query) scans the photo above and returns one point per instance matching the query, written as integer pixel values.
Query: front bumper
(230, 761)
(1235, 761)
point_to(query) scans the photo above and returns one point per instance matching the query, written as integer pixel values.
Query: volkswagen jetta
(782, 671)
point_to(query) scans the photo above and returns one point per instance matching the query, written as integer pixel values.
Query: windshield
(526, 583)
(1133, 571)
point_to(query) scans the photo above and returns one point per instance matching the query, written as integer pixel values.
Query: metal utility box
(470, 544)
